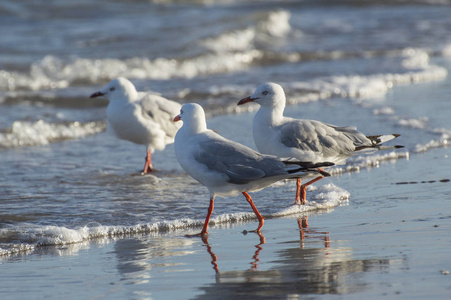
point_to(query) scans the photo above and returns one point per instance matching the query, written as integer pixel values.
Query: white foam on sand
(25, 237)
(357, 163)
(384, 111)
(443, 141)
(324, 197)
(419, 123)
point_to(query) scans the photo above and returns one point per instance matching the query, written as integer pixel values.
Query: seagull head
(193, 117)
(118, 89)
(267, 95)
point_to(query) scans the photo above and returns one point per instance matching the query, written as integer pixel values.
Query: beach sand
(390, 240)
(382, 66)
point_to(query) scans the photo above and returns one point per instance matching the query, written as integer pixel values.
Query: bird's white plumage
(225, 167)
(306, 140)
(139, 117)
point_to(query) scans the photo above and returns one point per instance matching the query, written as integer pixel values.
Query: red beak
(177, 118)
(246, 100)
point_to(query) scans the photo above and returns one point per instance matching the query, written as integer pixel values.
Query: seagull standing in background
(305, 140)
(228, 168)
(139, 117)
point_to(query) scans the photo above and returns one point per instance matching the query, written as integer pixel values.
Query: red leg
(298, 191)
(259, 216)
(207, 219)
(148, 167)
(301, 190)
(304, 189)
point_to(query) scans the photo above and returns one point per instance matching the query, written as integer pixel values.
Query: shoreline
(390, 239)
(378, 245)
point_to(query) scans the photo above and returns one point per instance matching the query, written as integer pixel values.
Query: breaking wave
(23, 133)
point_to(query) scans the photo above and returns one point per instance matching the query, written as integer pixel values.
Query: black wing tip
(309, 164)
(324, 173)
(310, 167)
(313, 170)
(399, 146)
(324, 164)
(396, 135)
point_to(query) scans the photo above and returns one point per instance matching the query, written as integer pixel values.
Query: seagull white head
(267, 95)
(193, 117)
(118, 89)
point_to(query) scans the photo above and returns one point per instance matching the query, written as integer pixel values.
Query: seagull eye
(265, 93)
(112, 88)
(181, 112)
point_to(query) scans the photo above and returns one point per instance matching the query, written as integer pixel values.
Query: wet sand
(391, 240)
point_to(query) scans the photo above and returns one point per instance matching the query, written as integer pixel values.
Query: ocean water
(382, 66)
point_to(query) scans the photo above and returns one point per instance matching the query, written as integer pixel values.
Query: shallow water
(71, 193)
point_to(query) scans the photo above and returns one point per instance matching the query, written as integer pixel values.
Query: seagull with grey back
(228, 168)
(140, 117)
(307, 140)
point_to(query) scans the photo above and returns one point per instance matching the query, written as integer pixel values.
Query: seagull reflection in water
(305, 232)
(214, 257)
(311, 233)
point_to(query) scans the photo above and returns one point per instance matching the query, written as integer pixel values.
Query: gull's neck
(194, 126)
(270, 115)
(129, 95)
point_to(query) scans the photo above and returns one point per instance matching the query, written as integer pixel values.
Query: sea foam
(24, 133)
(357, 163)
(25, 237)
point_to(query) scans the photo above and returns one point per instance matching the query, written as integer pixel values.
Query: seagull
(228, 168)
(139, 117)
(305, 140)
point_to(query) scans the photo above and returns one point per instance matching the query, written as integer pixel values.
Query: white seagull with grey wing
(140, 117)
(305, 140)
(228, 168)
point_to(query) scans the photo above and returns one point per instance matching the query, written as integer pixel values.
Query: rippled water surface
(68, 182)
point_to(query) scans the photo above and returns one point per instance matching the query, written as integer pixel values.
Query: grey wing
(239, 163)
(309, 135)
(358, 138)
(162, 111)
